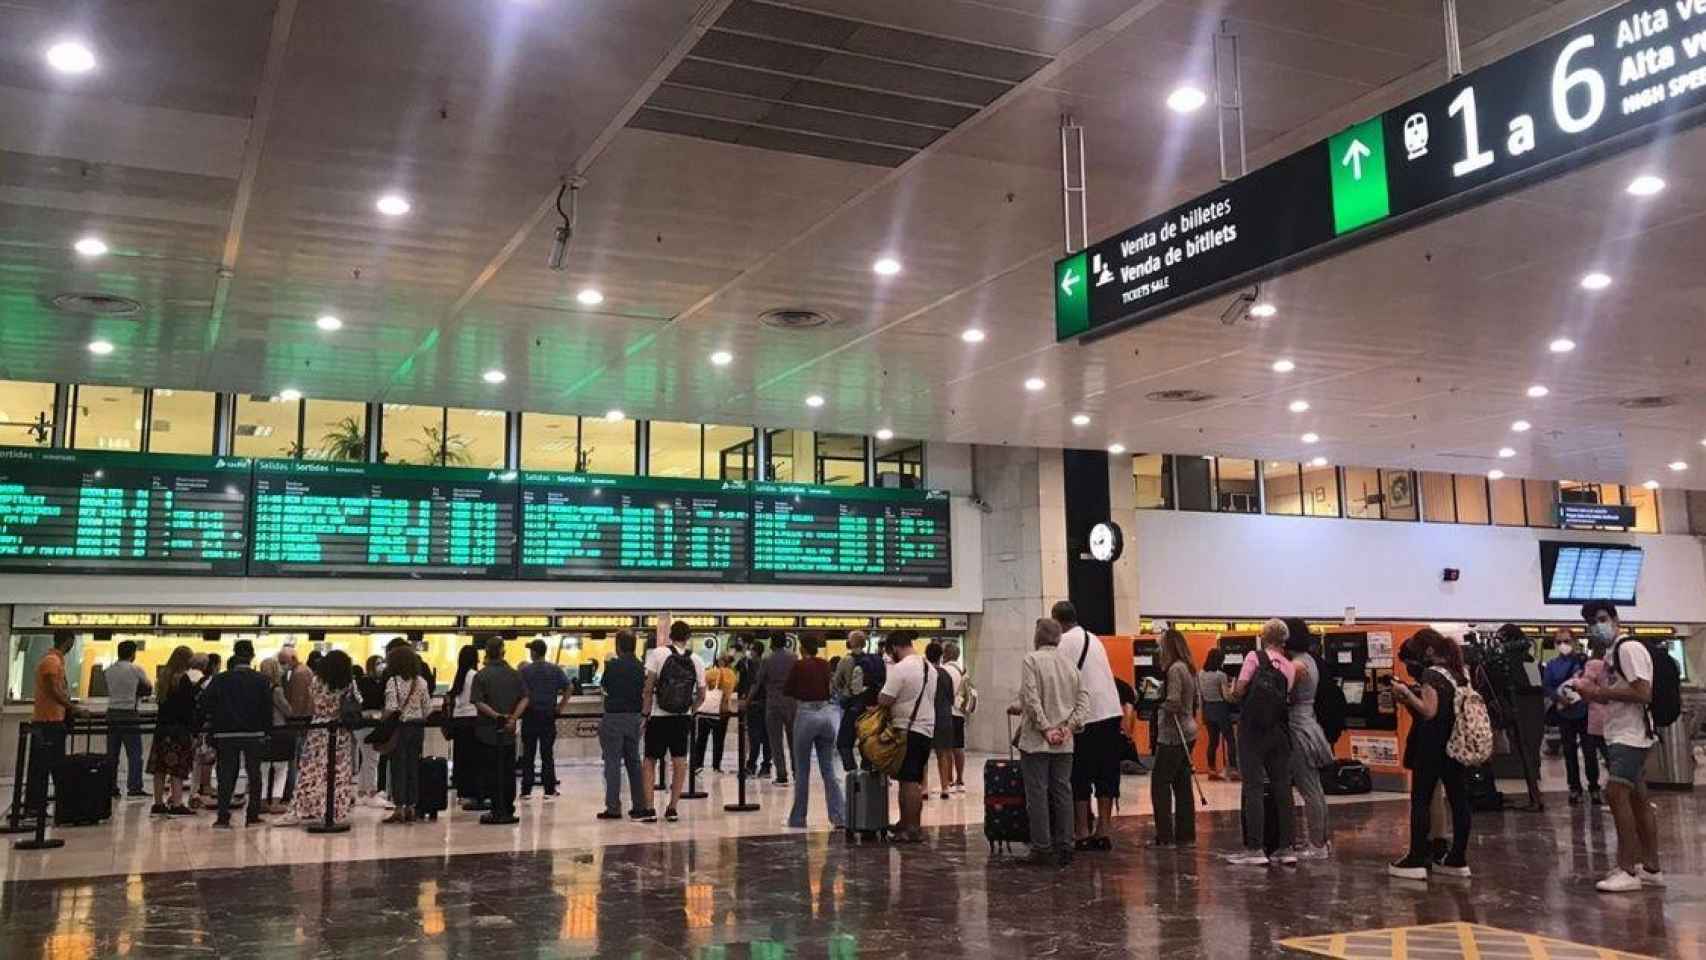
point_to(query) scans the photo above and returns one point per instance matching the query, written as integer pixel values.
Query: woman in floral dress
(328, 687)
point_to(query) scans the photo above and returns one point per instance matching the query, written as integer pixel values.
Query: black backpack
(677, 682)
(1665, 707)
(1330, 705)
(1268, 697)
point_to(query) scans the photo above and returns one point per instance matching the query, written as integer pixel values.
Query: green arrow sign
(1071, 297)
(1357, 158)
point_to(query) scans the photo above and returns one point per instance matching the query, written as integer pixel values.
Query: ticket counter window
(106, 418)
(1153, 475)
(181, 421)
(1282, 483)
(26, 413)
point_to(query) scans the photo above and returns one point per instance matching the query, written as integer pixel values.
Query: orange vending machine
(1362, 659)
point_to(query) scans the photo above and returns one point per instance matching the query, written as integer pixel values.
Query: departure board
(313, 518)
(93, 512)
(594, 527)
(850, 536)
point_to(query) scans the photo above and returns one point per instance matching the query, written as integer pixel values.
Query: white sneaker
(1286, 859)
(287, 820)
(1311, 852)
(959, 788)
(1445, 870)
(1650, 878)
(1618, 882)
(1255, 859)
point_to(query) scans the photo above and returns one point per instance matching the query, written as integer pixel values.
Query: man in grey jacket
(778, 708)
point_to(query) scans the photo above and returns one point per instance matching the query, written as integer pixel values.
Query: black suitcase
(434, 787)
(83, 788)
(1484, 792)
(1005, 821)
(1343, 778)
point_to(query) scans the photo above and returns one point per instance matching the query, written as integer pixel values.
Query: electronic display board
(1611, 82)
(93, 512)
(316, 518)
(850, 536)
(580, 526)
(1595, 515)
(1578, 572)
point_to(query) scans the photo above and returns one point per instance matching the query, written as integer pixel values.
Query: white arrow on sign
(1069, 281)
(1353, 157)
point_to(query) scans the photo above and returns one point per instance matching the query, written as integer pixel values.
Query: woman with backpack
(1310, 749)
(1435, 665)
(1263, 692)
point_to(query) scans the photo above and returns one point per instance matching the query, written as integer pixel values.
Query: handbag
(883, 744)
(712, 705)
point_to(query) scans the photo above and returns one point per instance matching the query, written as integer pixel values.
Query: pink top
(1594, 673)
(1280, 660)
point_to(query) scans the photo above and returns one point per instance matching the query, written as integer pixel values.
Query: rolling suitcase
(83, 788)
(1005, 821)
(434, 788)
(867, 805)
(1346, 778)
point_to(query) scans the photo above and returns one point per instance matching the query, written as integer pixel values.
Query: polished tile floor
(728, 886)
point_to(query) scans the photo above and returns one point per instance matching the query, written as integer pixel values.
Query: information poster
(313, 518)
(92, 512)
(592, 527)
(850, 535)
(1375, 751)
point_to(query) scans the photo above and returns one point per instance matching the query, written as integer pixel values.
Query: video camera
(1498, 660)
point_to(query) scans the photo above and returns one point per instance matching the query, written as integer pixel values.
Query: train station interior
(414, 411)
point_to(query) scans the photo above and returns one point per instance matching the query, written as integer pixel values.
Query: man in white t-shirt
(669, 731)
(909, 691)
(1096, 750)
(956, 672)
(1626, 691)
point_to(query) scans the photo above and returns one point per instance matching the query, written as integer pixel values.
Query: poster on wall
(1375, 751)
(1380, 650)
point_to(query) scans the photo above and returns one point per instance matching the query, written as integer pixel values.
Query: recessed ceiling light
(290, 394)
(1116, 448)
(69, 56)
(1284, 366)
(1561, 345)
(1083, 420)
(614, 416)
(100, 348)
(329, 323)
(1505, 453)
(394, 205)
(1311, 438)
(1651, 484)
(1679, 465)
(886, 267)
(1186, 99)
(1263, 310)
(495, 376)
(972, 335)
(1645, 185)
(90, 246)
(1538, 390)
(1595, 281)
(590, 297)
(885, 434)
(722, 358)
(814, 401)
(1522, 426)
(1034, 384)
(1495, 474)
(1299, 406)
(1318, 462)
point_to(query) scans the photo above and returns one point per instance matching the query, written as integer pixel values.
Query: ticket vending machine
(1236, 646)
(1147, 676)
(1366, 682)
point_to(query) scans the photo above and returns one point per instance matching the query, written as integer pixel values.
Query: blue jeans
(122, 733)
(815, 725)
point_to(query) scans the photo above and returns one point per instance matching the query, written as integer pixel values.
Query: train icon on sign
(1416, 136)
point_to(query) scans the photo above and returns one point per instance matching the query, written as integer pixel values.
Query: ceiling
(741, 156)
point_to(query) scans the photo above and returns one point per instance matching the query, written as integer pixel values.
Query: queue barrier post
(20, 772)
(40, 841)
(330, 824)
(741, 805)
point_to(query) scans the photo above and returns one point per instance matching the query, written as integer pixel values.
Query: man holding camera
(1570, 713)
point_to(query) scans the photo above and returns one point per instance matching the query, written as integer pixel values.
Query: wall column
(1122, 503)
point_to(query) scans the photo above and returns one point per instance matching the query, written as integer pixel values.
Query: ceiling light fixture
(1116, 448)
(1651, 484)
(69, 56)
(1311, 438)
(1083, 420)
(722, 358)
(1595, 281)
(1263, 310)
(394, 205)
(100, 348)
(90, 246)
(1318, 462)
(1299, 406)
(590, 297)
(1505, 453)
(1561, 345)
(1495, 474)
(494, 376)
(885, 434)
(1186, 99)
(1522, 426)
(972, 335)
(1645, 185)
(1284, 366)
(886, 267)
(1537, 391)
(290, 395)
(329, 323)
(1033, 384)
(814, 401)
(1677, 466)
(614, 416)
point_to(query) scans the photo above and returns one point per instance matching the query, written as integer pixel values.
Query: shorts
(959, 742)
(916, 759)
(1626, 765)
(668, 735)
(1096, 760)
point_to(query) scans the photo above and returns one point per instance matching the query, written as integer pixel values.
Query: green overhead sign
(1071, 298)
(1357, 164)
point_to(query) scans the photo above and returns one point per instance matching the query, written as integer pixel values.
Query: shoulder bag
(882, 743)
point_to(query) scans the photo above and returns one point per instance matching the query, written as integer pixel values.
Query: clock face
(1106, 542)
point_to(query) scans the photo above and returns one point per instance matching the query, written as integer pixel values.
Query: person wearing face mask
(1626, 690)
(1593, 741)
(1571, 713)
(1435, 665)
